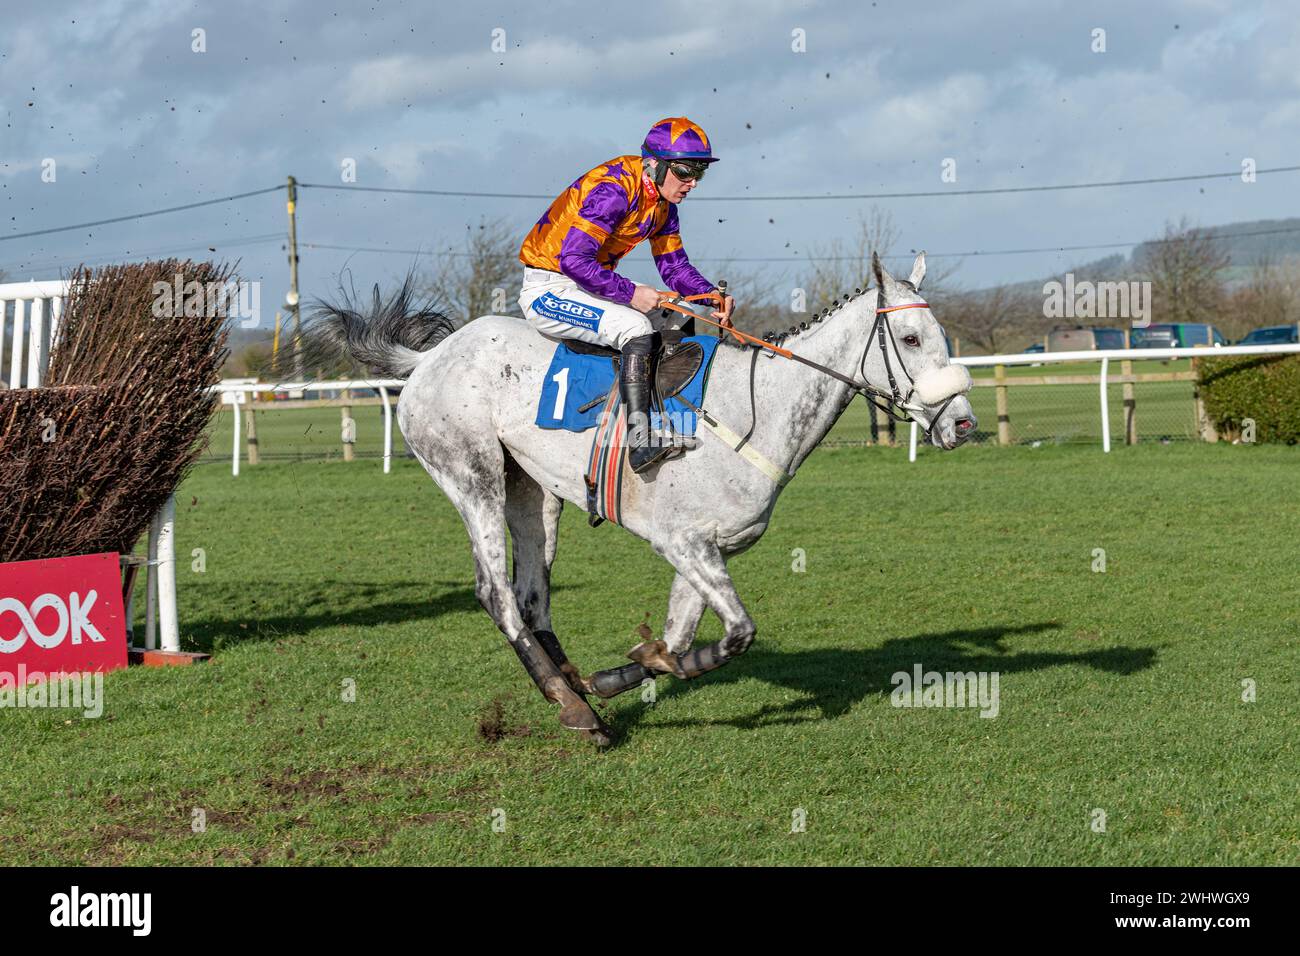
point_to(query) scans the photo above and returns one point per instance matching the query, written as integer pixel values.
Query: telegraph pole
(291, 300)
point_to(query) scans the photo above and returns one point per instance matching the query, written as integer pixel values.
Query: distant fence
(326, 435)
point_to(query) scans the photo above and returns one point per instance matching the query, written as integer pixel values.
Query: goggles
(688, 172)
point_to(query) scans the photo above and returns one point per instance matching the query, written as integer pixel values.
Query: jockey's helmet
(677, 138)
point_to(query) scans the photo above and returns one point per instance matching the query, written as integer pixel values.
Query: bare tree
(481, 276)
(1186, 269)
(991, 319)
(842, 265)
(764, 298)
(1269, 296)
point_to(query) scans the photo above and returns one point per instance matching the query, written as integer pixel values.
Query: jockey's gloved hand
(645, 298)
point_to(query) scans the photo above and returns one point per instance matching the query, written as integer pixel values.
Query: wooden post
(884, 427)
(291, 299)
(1205, 428)
(1130, 401)
(275, 346)
(1004, 420)
(349, 428)
(252, 434)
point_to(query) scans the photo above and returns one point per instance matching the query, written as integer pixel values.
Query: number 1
(562, 379)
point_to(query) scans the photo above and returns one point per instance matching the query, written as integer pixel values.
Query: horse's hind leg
(533, 515)
(474, 479)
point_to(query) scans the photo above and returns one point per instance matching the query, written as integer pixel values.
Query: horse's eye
(911, 340)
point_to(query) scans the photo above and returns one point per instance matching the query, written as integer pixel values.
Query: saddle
(674, 362)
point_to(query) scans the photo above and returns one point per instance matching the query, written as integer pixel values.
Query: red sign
(62, 614)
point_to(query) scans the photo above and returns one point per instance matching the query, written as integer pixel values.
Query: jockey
(571, 290)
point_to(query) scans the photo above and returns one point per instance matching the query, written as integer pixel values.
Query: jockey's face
(674, 189)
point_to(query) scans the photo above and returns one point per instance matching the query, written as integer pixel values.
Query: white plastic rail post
(234, 453)
(388, 430)
(56, 316)
(16, 344)
(911, 444)
(169, 628)
(1105, 409)
(151, 590)
(36, 344)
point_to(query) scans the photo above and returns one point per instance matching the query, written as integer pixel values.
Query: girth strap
(741, 447)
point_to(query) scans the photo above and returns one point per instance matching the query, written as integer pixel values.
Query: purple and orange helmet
(678, 138)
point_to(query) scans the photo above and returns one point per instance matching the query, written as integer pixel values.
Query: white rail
(33, 303)
(1104, 356)
(1135, 355)
(382, 385)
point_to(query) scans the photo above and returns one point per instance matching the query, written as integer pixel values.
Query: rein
(894, 401)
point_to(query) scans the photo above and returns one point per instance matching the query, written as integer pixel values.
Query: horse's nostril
(964, 425)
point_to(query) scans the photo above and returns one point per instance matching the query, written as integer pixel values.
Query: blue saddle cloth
(575, 380)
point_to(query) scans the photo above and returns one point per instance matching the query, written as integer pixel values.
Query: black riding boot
(634, 388)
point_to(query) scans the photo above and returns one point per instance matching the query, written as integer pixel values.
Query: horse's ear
(918, 271)
(878, 271)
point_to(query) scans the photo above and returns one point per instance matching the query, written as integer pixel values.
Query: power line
(100, 258)
(1003, 190)
(929, 255)
(542, 196)
(138, 215)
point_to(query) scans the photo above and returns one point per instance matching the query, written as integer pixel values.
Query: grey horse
(468, 414)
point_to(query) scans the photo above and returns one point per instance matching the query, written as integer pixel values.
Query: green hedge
(1263, 387)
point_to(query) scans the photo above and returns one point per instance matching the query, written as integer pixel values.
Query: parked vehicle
(1176, 335)
(1273, 335)
(1034, 349)
(1079, 339)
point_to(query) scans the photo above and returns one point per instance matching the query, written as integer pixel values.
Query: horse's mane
(776, 338)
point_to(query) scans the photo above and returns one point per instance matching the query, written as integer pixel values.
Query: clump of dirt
(493, 725)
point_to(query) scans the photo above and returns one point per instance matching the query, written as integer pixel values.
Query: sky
(799, 99)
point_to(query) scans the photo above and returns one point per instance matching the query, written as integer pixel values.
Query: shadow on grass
(273, 619)
(833, 680)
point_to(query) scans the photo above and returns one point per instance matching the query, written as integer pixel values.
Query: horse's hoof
(601, 738)
(655, 656)
(578, 715)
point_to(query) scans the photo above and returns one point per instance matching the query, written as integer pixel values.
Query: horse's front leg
(702, 580)
(685, 608)
(701, 566)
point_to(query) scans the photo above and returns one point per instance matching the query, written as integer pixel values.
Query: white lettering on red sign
(74, 617)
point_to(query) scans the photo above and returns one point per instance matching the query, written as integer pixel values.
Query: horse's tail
(390, 337)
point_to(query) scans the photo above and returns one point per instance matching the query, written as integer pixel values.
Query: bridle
(895, 400)
(895, 403)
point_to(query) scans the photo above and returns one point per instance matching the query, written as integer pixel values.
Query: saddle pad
(575, 381)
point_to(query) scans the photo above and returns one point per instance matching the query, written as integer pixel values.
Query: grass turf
(1120, 691)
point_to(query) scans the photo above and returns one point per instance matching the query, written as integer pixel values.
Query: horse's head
(906, 360)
